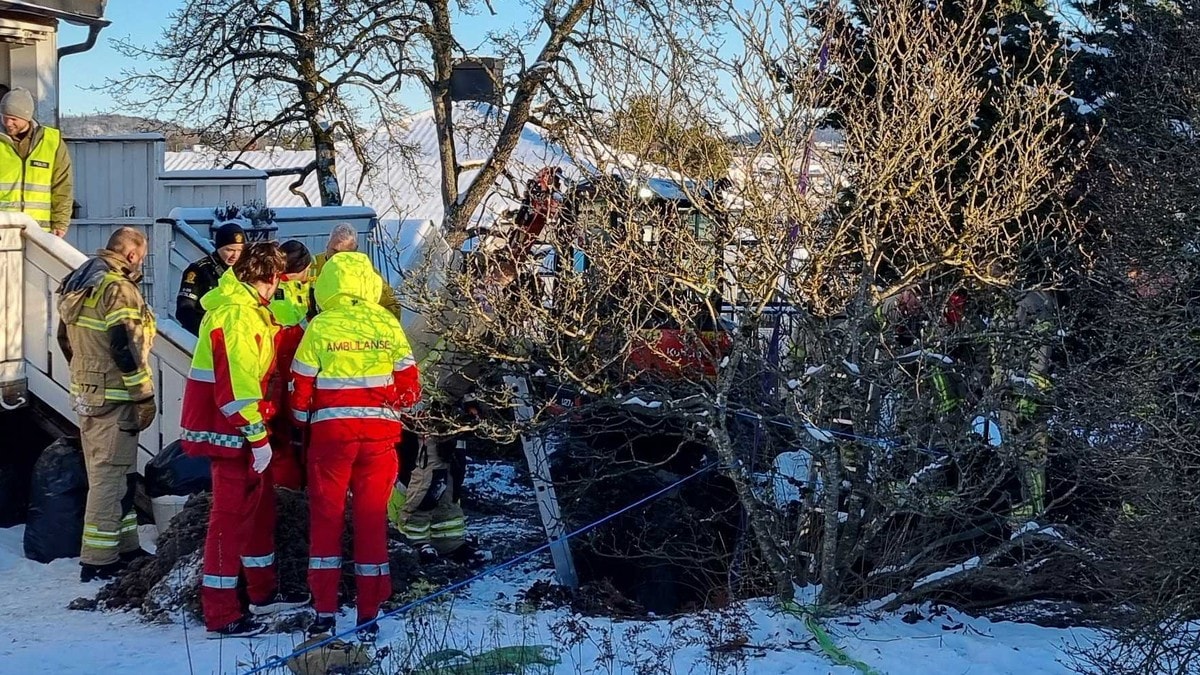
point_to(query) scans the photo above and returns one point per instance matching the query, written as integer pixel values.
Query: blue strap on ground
(281, 661)
(833, 651)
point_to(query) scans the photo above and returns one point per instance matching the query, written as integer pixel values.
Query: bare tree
(432, 50)
(1133, 387)
(252, 72)
(755, 321)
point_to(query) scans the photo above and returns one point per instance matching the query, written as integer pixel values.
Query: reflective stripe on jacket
(224, 402)
(106, 331)
(34, 183)
(354, 370)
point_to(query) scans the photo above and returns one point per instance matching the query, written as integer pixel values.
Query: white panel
(35, 67)
(114, 177)
(11, 309)
(36, 313)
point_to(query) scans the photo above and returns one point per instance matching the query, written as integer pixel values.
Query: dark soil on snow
(160, 585)
(595, 598)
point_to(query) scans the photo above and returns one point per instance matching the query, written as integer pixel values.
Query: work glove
(262, 457)
(146, 412)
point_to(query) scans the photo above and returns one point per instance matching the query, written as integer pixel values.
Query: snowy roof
(404, 183)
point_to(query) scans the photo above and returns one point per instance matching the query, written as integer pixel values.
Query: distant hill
(178, 138)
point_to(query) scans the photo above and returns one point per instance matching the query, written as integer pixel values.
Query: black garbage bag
(172, 472)
(59, 494)
(24, 440)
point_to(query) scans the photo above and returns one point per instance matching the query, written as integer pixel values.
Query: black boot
(129, 556)
(100, 572)
(469, 555)
(243, 627)
(427, 553)
(323, 624)
(280, 602)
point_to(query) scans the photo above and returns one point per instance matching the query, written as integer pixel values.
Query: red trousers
(287, 465)
(368, 471)
(241, 539)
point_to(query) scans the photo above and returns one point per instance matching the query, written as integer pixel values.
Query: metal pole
(537, 454)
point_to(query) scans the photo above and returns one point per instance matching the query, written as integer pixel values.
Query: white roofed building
(405, 170)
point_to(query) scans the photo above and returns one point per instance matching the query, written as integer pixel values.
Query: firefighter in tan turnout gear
(105, 331)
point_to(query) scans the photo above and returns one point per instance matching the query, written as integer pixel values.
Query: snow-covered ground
(38, 634)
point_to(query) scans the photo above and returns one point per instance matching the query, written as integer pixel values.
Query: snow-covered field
(38, 634)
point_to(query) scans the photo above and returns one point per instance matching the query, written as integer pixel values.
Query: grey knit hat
(18, 103)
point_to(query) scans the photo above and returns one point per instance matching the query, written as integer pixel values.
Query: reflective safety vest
(290, 305)
(25, 185)
(225, 406)
(354, 370)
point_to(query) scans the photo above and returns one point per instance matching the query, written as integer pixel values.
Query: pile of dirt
(160, 586)
(595, 598)
(176, 549)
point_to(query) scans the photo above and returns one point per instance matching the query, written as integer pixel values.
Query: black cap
(229, 233)
(298, 257)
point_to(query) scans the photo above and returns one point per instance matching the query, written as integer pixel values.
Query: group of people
(302, 377)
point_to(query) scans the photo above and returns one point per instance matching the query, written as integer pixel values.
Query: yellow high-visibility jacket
(35, 177)
(387, 297)
(354, 370)
(225, 406)
(291, 304)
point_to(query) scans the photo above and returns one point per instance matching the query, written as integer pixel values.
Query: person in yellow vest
(35, 168)
(343, 239)
(105, 331)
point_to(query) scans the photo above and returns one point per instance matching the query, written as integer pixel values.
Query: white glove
(262, 457)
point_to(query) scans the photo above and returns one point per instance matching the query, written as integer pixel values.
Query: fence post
(13, 383)
(538, 457)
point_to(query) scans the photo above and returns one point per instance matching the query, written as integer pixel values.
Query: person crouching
(353, 375)
(225, 412)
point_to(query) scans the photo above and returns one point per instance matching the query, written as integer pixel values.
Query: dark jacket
(199, 278)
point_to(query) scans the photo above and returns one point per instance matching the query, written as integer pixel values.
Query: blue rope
(281, 661)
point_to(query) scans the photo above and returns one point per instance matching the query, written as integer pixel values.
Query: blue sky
(83, 76)
(143, 21)
(139, 19)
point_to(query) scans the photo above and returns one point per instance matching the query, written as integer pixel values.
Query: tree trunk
(326, 170)
(310, 96)
(442, 44)
(830, 539)
(763, 521)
